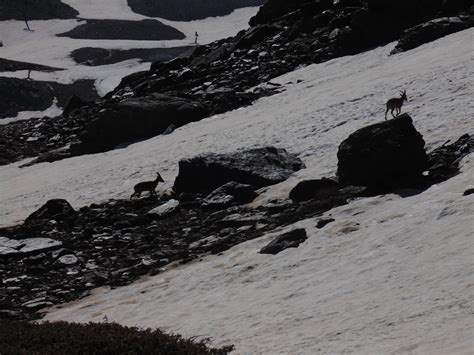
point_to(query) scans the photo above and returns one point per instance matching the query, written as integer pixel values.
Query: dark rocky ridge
(146, 30)
(101, 56)
(7, 65)
(188, 10)
(35, 10)
(29, 95)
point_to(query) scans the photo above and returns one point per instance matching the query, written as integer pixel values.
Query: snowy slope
(391, 275)
(43, 47)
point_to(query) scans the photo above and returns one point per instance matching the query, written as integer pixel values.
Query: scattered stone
(288, 240)
(68, 259)
(165, 209)
(228, 194)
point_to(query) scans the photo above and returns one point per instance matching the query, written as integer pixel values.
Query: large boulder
(56, 209)
(138, 118)
(257, 167)
(382, 154)
(430, 31)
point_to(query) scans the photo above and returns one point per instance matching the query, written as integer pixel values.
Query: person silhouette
(196, 39)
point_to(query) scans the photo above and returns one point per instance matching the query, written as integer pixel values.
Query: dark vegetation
(35, 10)
(101, 56)
(145, 30)
(187, 10)
(22, 338)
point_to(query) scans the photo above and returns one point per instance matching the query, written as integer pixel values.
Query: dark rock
(136, 119)
(256, 35)
(23, 248)
(324, 222)
(443, 162)
(74, 103)
(314, 189)
(288, 240)
(430, 31)
(35, 10)
(382, 154)
(29, 95)
(275, 9)
(13, 65)
(257, 167)
(145, 30)
(57, 209)
(102, 56)
(188, 10)
(165, 209)
(228, 194)
(468, 192)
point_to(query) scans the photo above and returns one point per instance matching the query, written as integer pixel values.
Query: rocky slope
(226, 74)
(62, 253)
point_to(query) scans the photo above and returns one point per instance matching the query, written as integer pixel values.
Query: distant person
(196, 39)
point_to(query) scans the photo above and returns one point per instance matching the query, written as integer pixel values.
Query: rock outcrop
(430, 31)
(382, 154)
(138, 118)
(58, 210)
(256, 167)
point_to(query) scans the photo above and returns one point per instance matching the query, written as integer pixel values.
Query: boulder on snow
(228, 194)
(56, 209)
(382, 154)
(430, 31)
(257, 167)
(136, 119)
(291, 239)
(314, 189)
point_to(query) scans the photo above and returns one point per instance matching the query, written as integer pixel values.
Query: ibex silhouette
(147, 186)
(396, 103)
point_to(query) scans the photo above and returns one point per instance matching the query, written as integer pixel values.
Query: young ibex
(396, 104)
(147, 186)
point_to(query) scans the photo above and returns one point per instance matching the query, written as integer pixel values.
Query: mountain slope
(391, 274)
